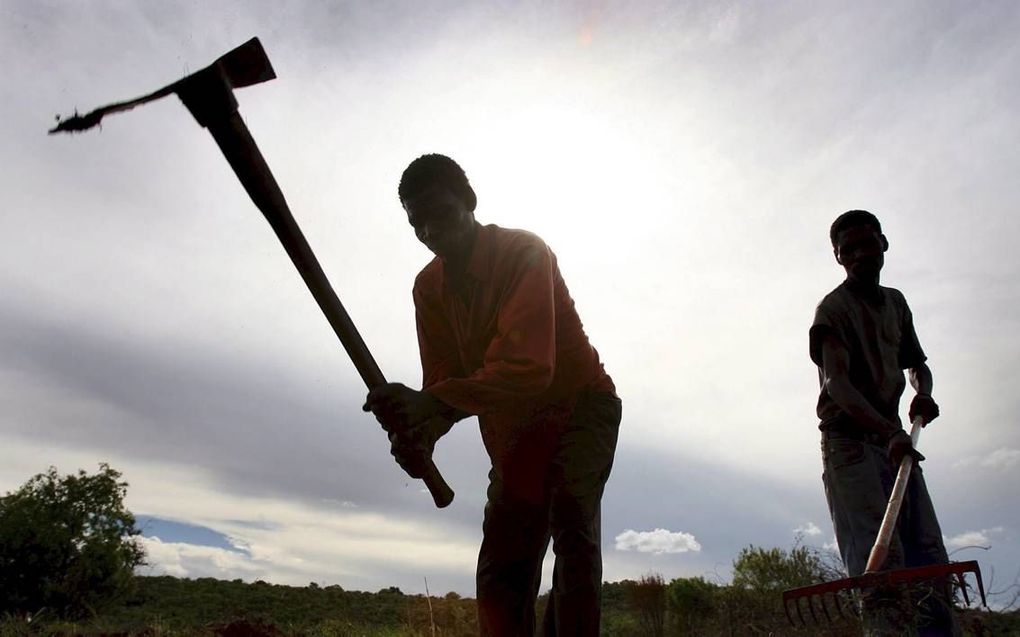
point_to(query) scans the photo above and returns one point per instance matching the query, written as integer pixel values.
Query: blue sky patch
(169, 531)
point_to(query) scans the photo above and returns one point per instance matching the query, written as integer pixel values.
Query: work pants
(858, 478)
(518, 527)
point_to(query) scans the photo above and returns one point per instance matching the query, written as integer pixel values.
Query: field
(168, 606)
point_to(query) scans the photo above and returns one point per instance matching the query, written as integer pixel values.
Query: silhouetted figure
(862, 339)
(499, 338)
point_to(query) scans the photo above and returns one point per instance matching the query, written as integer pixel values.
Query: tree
(752, 604)
(770, 570)
(692, 604)
(648, 599)
(67, 544)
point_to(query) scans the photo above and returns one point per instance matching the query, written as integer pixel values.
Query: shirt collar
(481, 254)
(865, 293)
(480, 261)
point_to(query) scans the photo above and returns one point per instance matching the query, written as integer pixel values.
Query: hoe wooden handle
(238, 146)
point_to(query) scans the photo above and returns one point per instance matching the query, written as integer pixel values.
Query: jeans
(517, 531)
(858, 478)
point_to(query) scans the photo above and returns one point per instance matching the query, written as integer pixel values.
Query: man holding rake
(861, 340)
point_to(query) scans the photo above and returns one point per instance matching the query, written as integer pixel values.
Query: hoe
(209, 96)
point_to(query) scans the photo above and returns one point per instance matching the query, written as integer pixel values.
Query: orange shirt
(509, 345)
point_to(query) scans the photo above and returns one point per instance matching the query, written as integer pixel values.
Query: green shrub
(68, 546)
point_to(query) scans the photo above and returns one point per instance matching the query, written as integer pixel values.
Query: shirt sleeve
(440, 358)
(521, 357)
(826, 323)
(910, 355)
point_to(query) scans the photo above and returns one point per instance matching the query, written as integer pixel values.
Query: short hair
(853, 219)
(436, 170)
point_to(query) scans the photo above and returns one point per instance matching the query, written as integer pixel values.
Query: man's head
(440, 205)
(859, 245)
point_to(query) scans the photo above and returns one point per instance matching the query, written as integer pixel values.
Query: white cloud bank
(191, 560)
(658, 541)
(1000, 459)
(972, 538)
(809, 529)
(283, 541)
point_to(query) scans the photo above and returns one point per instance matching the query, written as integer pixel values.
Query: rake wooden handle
(880, 550)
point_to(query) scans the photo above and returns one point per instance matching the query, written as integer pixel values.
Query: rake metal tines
(838, 598)
(820, 602)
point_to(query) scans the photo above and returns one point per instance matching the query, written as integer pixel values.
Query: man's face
(442, 222)
(861, 251)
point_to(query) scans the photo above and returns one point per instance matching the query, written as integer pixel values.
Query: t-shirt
(880, 338)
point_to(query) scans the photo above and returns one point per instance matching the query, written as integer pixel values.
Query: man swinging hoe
(500, 339)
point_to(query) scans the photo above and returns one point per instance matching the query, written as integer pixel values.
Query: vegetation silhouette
(649, 606)
(68, 545)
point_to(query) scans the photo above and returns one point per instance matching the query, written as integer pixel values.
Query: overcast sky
(684, 164)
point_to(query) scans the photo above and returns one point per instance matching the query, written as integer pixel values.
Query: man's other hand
(413, 447)
(900, 445)
(398, 407)
(922, 405)
(411, 457)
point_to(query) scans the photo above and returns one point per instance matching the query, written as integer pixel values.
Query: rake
(819, 599)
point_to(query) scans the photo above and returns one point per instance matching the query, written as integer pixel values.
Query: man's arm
(440, 357)
(836, 370)
(912, 358)
(413, 414)
(921, 379)
(922, 405)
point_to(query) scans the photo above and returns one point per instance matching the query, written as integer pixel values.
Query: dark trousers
(517, 530)
(858, 478)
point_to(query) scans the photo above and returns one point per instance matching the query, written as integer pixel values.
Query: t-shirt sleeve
(910, 355)
(826, 323)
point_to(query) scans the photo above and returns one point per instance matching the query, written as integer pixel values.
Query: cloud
(658, 541)
(180, 559)
(1000, 459)
(291, 542)
(972, 538)
(727, 28)
(220, 532)
(809, 529)
(207, 355)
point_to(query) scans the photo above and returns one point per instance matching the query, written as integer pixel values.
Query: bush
(67, 544)
(648, 599)
(772, 570)
(693, 604)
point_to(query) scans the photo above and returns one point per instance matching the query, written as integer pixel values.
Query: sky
(684, 162)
